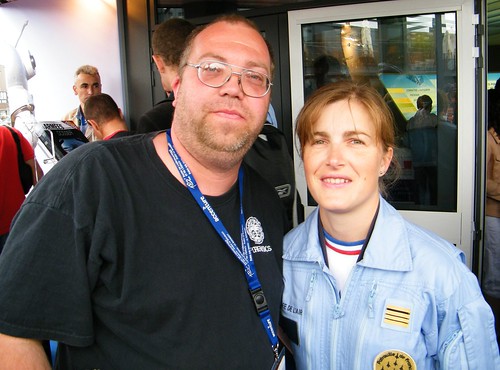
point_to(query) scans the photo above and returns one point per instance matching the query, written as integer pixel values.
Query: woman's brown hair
(382, 117)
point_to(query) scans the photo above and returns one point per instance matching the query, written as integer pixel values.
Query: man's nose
(233, 85)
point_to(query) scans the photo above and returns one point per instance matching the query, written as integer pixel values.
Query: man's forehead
(239, 33)
(86, 78)
(220, 37)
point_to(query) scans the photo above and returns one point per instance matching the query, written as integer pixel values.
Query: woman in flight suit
(364, 288)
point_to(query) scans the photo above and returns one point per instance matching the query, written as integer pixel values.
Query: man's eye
(255, 78)
(212, 67)
(318, 141)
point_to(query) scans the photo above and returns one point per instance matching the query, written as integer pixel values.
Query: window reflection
(407, 59)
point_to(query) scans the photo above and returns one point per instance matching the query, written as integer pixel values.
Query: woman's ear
(386, 160)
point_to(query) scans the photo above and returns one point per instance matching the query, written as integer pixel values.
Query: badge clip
(259, 300)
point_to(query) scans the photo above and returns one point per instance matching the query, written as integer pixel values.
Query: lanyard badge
(244, 255)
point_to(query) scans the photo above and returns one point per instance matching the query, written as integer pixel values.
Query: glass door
(419, 59)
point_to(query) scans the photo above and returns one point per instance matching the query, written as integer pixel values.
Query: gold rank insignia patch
(396, 315)
(394, 359)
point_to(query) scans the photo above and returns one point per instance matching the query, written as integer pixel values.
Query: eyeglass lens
(216, 74)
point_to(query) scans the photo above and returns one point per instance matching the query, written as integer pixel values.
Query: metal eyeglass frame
(239, 74)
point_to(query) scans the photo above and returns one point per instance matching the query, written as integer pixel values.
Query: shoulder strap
(20, 157)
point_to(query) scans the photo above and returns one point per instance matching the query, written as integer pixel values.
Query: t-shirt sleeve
(44, 286)
(46, 272)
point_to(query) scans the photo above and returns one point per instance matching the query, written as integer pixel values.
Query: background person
(87, 83)
(327, 69)
(105, 117)
(168, 44)
(446, 157)
(131, 286)
(491, 282)
(422, 139)
(364, 287)
(11, 190)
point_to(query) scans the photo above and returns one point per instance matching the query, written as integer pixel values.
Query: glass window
(411, 61)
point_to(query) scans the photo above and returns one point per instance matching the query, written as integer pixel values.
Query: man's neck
(112, 126)
(210, 179)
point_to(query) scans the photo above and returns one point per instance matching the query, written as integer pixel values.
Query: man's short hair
(169, 40)
(88, 70)
(228, 18)
(101, 108)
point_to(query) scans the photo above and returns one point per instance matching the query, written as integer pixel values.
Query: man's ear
(97, 130)
(175, 87)
(159, 63)
(94, 124)
(74, 90)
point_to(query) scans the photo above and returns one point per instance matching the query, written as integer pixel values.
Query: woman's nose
(334, 156)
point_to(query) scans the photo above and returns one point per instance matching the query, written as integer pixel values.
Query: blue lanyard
(245, 255)
(81, 120)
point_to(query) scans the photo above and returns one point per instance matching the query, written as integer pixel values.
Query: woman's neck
(348, 227)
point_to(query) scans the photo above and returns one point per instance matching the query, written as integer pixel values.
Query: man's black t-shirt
(112, 257)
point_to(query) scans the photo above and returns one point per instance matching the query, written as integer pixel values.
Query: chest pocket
(453, 353)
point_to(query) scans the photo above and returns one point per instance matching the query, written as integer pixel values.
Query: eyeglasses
(215, 74)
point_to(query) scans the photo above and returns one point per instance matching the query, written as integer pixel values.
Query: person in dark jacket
(168, 43)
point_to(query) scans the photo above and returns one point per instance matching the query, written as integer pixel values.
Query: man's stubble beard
(201, 139)
(223, 155)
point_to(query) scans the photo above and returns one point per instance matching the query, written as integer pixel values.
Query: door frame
(457, 227)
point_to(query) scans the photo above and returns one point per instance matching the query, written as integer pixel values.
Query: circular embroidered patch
(394, 359)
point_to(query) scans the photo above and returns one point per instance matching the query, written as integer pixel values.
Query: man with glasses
(174, 259)
(215, 73)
